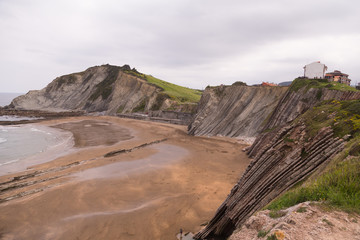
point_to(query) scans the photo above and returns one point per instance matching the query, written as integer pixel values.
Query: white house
(315, 70)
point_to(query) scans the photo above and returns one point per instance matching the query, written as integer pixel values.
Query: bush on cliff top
(299, 83)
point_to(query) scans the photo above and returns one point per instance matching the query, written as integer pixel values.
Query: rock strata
(109, 89)
(235, 111)
(292, 105)
(286, 160)
(295, 103)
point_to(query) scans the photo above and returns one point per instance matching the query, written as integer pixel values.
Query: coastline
(157, 198)
(63, 146)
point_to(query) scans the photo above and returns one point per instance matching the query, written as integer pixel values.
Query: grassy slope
(319, 83)
(339, 185)
(175, 92)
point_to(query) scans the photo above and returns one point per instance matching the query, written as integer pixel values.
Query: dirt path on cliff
(153, 182)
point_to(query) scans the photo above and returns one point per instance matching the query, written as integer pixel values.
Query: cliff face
(295, 103)
(106, 88)
(292, 105)
(235, 111)
(284, 154)
(276, 168)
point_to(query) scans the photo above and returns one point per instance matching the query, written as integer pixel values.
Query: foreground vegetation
(339, 185)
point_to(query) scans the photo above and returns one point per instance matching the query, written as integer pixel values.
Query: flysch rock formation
(235, 111)
(105, 88)
(292, 105)
(283, 156)
(276, 168)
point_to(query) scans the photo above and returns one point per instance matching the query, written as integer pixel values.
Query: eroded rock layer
(292, 105)
(235, 111)
(286, 160)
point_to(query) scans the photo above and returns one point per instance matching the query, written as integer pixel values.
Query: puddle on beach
(165, 155)
(89, 133)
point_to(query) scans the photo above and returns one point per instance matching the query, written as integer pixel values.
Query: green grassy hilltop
(174, 92)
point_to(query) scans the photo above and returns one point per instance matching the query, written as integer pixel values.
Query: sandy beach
(124, 179)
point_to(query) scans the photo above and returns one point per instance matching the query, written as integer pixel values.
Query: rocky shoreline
(36, 114)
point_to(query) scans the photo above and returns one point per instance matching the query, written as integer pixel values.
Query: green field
(175, 92)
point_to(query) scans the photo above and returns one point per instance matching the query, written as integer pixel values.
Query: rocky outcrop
(295, 103)
(106, 88)
(286, 160)
(292, 105)
(303, 221)
(235, 111)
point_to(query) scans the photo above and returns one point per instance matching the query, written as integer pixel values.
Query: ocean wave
(38, 130)
(14, 118)
(9, 162)
(2, 140)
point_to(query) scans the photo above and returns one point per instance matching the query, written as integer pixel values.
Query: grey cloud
(200, 37)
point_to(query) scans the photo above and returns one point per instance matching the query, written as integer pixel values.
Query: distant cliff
(235, 111)
(303, 134)
(109, 89)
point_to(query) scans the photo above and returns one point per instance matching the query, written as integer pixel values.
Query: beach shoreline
(61, 144)
(84, 194)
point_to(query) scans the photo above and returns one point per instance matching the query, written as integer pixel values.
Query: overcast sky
(193, 43)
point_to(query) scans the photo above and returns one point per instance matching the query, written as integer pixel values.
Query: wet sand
(158, 180)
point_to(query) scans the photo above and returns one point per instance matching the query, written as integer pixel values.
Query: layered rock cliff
(235, 111)
(294, 103)
(109, 89)
(285, 153)
(288, 159)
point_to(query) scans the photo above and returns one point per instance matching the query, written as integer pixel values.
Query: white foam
(29, 145)
(2, 140)
(15, 118)
(12, 161)
(38, 130)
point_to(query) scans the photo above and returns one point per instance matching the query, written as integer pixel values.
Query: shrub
(277, 214)
(239, 83)
(301, 209)
(140, 107)
(272, 237)
(262, 233)
(160, 98)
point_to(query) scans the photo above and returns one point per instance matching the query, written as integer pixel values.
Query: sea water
(25, 145)
(6, 98)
